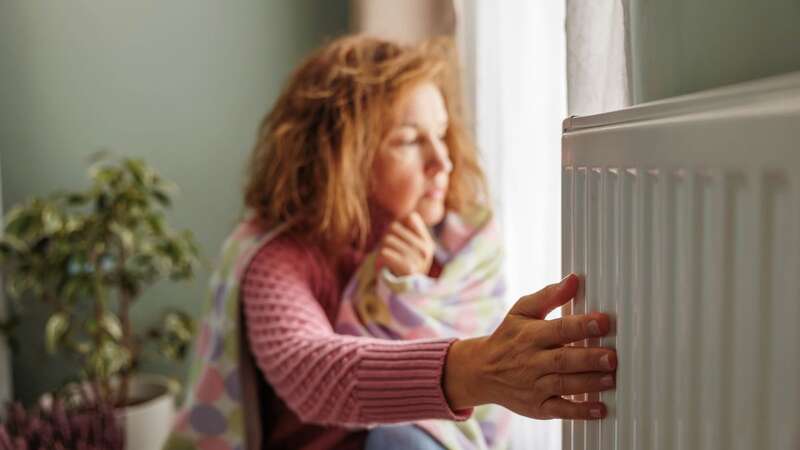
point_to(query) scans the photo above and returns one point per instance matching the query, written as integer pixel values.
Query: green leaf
(124, 235)
(110, 323)
(83, 347)
(21, 220)
(138, 169)
(5, 250)
(108, 359)
(156, 223)
(101, 202)
(55, 329)
(161, 197)
(17, 215)
(51, 221)
(179, 324)
(76, 199)
(173, 334)
(129, 283)
(96, 365)
(119, 358)
(14, 243)
(73, 224)
(71, 288)
(105, 174)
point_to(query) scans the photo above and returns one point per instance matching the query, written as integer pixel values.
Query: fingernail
(607, 381)
(596, 413)
(605, 361)
(594, 328)
(564, 280)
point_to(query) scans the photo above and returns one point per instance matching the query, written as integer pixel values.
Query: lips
(435, 193)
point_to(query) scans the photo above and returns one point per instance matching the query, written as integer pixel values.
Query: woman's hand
(525, 364)
(407, 248)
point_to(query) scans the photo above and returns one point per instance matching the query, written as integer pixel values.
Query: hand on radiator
(525, 364)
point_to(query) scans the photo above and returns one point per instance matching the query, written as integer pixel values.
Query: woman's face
(412, 167)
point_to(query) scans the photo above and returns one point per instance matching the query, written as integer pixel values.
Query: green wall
(182, 83)
(682, 46)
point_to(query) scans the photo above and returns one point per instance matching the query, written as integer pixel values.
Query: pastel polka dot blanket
(465, 300)
(221, 377)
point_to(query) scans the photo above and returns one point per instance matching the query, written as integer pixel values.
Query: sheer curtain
(598, 56)
(514, 54)
(529, 64)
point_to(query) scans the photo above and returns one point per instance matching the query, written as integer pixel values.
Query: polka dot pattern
(207, 419)
(210, 387)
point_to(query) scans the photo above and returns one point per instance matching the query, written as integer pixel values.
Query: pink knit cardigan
(323, 387)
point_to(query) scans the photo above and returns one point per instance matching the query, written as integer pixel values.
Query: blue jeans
(397, 437)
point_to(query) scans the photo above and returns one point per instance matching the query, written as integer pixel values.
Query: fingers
(410, 238)
(415, 222)
(407, 247)
(569, 384)
(560, 408)
(539, 304)
(395, 243)
(395, 261)
(557, 332)
(567, 360)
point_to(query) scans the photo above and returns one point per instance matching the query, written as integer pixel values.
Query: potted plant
(88, 255)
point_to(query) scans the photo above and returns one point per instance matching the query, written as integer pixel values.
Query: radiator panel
(684, 219)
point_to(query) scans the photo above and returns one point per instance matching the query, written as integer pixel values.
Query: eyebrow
(443, 124)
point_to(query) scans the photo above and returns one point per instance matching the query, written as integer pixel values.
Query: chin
(431, 214)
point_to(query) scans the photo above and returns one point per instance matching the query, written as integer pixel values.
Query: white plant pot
(149, 420)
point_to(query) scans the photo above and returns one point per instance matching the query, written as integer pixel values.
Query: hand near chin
(407, 247)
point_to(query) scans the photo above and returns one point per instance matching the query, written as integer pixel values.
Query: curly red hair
(313, 157)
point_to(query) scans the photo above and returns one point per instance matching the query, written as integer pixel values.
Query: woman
(363, 177)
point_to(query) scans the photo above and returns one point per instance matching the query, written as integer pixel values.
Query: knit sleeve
(327, 378)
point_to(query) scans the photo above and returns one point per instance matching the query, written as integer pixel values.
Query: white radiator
(684, 217)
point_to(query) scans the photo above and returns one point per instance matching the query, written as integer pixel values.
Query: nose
(438, 158)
